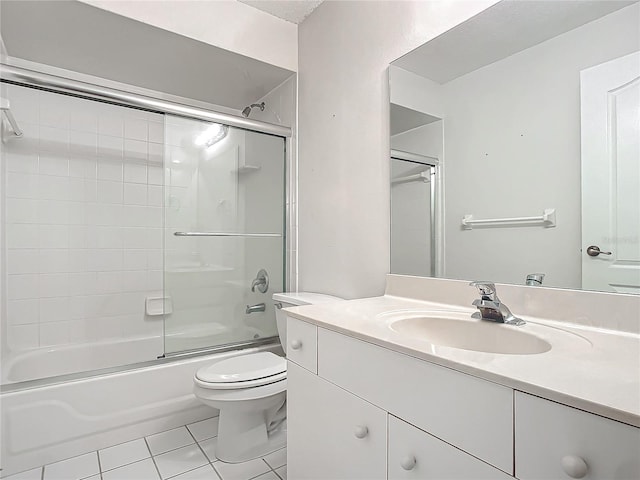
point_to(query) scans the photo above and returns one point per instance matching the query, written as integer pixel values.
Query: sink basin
(461, 331)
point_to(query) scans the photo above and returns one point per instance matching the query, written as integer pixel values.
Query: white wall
(227, 24)
(344, 51)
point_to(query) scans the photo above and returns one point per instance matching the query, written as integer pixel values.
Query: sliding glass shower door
(224, 234)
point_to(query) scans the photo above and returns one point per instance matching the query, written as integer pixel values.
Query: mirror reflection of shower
(247, 110)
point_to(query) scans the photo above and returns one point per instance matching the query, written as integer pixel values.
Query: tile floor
(184, 453)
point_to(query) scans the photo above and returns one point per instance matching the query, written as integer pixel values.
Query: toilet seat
(244, 371)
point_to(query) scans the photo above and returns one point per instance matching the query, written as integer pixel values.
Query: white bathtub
(46, 424)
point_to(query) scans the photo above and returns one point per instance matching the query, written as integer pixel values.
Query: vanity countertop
(598, 371)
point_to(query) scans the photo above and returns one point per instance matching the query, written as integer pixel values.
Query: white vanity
(372, 398)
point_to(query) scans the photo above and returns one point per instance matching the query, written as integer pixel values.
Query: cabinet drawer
(467, 412)
(332, 434)
(547, 433)
(302, 344)
(414, 454)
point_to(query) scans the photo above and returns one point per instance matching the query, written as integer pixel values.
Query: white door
(610, 114)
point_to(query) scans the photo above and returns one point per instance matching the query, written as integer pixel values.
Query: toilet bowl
(250, 392)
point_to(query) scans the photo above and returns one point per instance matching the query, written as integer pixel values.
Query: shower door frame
(43, 77)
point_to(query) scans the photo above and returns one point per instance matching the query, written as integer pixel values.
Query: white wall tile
(54, 140)
(54, 333)
(21, 210)
(135, 172)
(83, 118)
(135, 260)
(109, 192)
(156, 153)
(83, 144)
(54, 236)
(110, 168)
(23, 311)
(53, 188)
(54, 309)
(135, 237)
(155, 195)
(22, 286)
(156, 132)
(136, 129)
(54, 285)
(53, 111)
(135, 150)
(22, 185)
(155, 175)
(109, 282)
(22, 337)
(53, 261)
(20, 261)
(110, 123)
(135, 281)
(22, 162)
(135, 194)
(83, 166)
(22, 236)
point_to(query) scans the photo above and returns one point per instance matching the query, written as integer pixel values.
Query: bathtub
(45, 424)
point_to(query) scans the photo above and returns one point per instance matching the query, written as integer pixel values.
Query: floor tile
(73, 468)
(165, 441)
(123, 454)
(142, 470)
(277, 458)
(241, 471)
(282, 472)
(203, 473)
(268, 476)
(205, 429)
(209, 447)
(180, 461)
(35, 474)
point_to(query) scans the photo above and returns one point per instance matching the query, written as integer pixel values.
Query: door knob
(594, 251)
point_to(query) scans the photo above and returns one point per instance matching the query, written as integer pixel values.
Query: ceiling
(470, 46)
(294, 11)
(85, 39)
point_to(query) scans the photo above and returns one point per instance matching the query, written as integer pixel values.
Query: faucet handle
(486, 289)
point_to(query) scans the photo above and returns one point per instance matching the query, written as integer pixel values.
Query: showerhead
(247, 110)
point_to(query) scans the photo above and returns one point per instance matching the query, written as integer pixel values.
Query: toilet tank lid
(304, 298)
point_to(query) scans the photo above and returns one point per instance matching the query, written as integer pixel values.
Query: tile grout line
(203, 452)
(152, 459)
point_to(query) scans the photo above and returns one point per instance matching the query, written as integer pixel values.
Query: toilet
(250, 392)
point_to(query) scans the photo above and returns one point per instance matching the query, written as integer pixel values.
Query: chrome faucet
(534, 279)
(490, 306)
(260, 307)
(261, 281)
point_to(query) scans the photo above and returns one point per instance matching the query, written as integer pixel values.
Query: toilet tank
(293, 299)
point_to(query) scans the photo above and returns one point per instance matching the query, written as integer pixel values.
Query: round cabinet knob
(408, 462)
(574, 466)
(296, 344)
(361, 431)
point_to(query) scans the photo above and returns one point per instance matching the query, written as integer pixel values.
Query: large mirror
(515, 148)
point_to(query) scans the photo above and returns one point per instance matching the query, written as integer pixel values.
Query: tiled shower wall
(83, 195)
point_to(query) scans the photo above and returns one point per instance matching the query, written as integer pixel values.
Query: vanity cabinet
(556, 442)
(415, 454)
(332, 434)
(361, 411)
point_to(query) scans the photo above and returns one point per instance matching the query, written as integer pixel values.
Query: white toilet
(250, 392)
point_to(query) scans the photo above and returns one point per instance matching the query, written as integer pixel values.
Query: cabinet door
(332, 434)
(557, 442)
(414, 454)
(302, 344)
